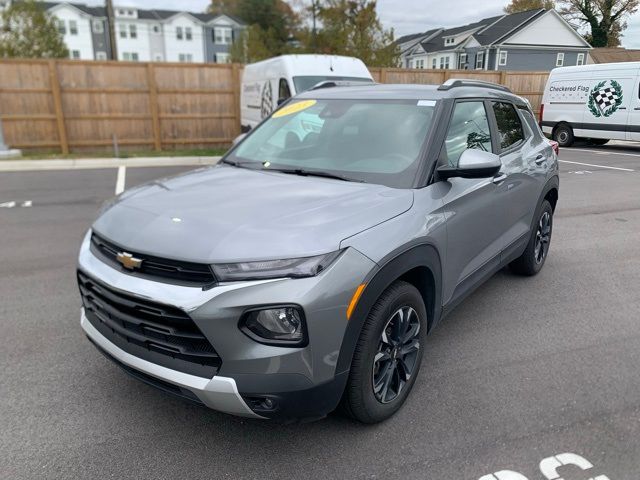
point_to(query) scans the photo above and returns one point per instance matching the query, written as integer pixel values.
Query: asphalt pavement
(524, 370)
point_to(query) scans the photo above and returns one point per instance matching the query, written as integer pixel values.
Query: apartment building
(533, 40)
(143, 35)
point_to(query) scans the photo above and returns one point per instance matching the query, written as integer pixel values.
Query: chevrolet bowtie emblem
(128, 261)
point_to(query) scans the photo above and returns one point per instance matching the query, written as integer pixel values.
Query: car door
(633, 122)
(523, 156)
(474, 212)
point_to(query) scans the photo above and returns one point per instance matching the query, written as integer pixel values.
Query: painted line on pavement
(602, 152)
(120, 179)
(599, 166)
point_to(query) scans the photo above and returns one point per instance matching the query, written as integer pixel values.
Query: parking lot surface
(524, 370)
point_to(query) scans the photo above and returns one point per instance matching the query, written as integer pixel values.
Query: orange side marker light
(354, 299)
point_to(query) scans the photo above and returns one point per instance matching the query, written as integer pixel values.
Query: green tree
(26, 31)
(606, 19)
(352, 28)
(523, 5)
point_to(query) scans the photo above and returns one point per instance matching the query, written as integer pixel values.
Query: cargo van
(594, 102)
(268, 83)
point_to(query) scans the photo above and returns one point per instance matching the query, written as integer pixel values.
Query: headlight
(282, 325)
(292, 267)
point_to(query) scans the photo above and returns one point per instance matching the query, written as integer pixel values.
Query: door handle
(540, 159)
(637, 108)
(622, 108)
(500, 177)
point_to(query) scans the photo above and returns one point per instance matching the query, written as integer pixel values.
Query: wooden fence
(70, 105)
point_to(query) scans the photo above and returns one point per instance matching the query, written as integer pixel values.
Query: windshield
(360, 140)
(305, 83)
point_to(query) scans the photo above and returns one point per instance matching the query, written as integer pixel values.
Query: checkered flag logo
(605, 98)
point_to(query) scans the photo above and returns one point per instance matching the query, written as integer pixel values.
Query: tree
(352, 28)
(606, 19)
(523, 5)
(27, 31)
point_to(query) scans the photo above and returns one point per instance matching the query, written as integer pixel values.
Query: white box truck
(596, 102)
(268, 83)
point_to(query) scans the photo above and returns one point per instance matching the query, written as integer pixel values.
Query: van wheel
(563, 134)
(598, 141)
(387, 356)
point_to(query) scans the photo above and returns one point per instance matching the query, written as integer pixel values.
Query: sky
(404, 16)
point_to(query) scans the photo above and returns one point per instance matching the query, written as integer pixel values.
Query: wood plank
(57, 101)
(153, 106)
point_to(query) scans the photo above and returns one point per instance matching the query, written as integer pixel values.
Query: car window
(531, 121)
(469, 128)
(283, 90)
(509, 127)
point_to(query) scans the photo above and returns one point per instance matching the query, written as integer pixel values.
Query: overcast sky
(405, 16)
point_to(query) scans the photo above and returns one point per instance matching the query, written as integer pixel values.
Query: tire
(598, 141)
(381, 365)
(534, 256)
(563, 134)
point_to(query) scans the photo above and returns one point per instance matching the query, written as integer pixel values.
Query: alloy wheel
(397, 354)
(543, 237)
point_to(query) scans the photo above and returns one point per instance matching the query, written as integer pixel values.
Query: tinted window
(469, 128)
(509, 126)
(283, 90)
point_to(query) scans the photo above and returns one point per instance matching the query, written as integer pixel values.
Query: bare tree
(606, 19)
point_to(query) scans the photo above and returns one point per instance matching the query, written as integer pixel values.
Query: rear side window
(469, 128)
(509, 127)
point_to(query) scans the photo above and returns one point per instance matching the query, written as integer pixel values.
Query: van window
(283, 90)
(509, 126)
(306, 82)
(469, 128)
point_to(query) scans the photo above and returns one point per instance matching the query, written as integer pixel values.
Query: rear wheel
(598, 141)
(387, 356)
(563, 134)
(534, 256)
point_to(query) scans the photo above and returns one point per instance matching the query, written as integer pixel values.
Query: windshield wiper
(242, 164)
(314, 173)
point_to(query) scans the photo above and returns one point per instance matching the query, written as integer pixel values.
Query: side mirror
(473, 163)
(238, 139)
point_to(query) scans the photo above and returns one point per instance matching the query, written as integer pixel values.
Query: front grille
(162, 269)
(158, 333)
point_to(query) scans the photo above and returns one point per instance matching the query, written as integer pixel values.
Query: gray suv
(305, 270)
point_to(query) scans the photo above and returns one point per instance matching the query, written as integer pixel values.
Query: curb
(94, 163)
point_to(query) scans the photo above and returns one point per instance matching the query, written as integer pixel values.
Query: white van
(596, 102)
(268, 83)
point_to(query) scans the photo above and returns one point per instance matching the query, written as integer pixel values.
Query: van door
(608, 105)
(633, 122)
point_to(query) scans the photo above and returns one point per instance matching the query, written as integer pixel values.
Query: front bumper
(219, 393)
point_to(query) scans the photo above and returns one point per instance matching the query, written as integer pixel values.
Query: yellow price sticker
(294, 108)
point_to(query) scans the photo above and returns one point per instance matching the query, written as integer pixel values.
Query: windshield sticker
(426, 103)
(294, 108)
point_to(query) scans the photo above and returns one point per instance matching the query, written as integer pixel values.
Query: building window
(179, 35)
(462, 61)
(222, 35)
(502, 60)
(75, 54)
(449, 41)
(101, 55)
(185, 57)
(73, 27)
(130, 13)
(98, 26)
(421, 63)
(434, 63)
(123, 31)
(133, 32)
(446, 62)
(61, 27)
(121, 12)
(222, 58)
(158, 57)
(580, 59)
(187, 33)
(130, 56)
(560, 59)
(479, 60)
(156, 29)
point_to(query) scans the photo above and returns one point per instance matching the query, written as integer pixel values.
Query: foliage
(27, 32)
(523, 5)
(606, 19)
(352, 28)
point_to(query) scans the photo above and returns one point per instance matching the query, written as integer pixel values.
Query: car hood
(226, 214)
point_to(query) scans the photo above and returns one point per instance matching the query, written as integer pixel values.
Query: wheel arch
(419, 265)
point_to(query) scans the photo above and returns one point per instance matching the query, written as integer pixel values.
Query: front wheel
(534, 256)
(563, 134)
(387, 356)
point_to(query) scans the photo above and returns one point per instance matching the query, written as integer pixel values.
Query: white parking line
(120, 179)
(599, 166)
(602, 152)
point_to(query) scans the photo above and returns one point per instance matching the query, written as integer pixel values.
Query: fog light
(278, 325)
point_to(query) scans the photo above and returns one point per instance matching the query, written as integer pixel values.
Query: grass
(207, 152)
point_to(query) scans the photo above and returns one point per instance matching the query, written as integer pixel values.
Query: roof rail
(457, 82)
(340, 83)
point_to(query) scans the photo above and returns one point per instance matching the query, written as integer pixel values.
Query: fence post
(503, 77)
(57, 103)
(383, 75)
(153, 105)
(235, 80)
